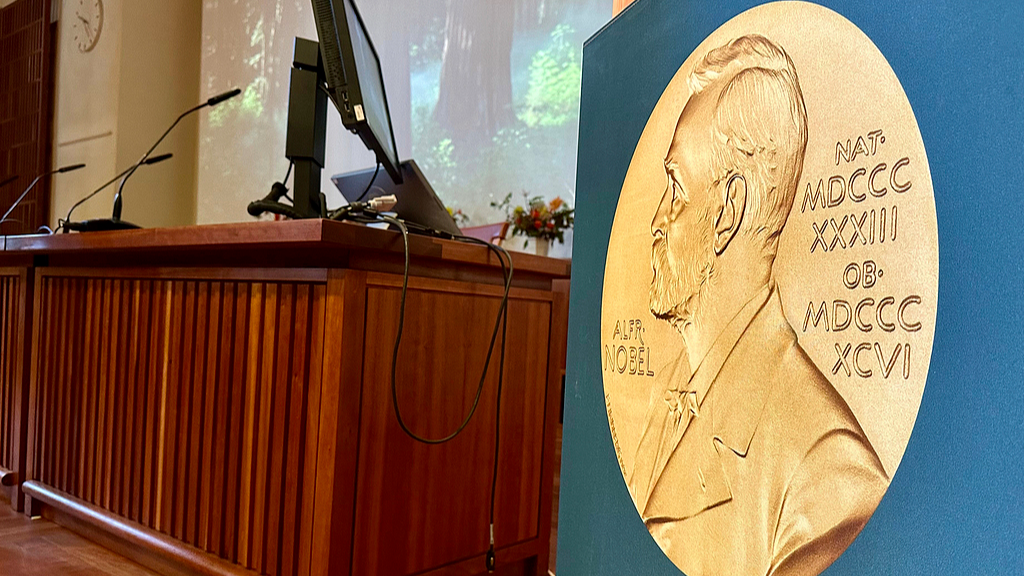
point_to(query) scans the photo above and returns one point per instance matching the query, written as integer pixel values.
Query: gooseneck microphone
(213, 101)
(60, 170)
(115, 222)
(68, 225)
(210, 102)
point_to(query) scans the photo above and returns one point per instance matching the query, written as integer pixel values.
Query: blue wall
(956, 505)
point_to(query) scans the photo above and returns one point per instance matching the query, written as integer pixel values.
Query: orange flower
(556, 203)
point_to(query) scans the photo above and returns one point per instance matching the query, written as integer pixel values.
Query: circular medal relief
(770, 295)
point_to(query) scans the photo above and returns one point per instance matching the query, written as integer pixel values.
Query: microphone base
(99, 225)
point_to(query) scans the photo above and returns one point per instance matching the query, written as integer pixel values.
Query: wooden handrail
(152, 545)
(8, 477)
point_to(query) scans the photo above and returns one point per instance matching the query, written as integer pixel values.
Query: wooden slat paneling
(248, 413)
(26, 110)
(13, 377)
(181, 404)
(15, 328)
(8, 385)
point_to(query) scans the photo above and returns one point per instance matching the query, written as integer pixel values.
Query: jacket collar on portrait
(710, 366)
(745, 380)
(732, 407)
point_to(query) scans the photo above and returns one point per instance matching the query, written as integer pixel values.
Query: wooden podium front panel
(226, 416)
(419, 507)
(179, 399)
(13, 391)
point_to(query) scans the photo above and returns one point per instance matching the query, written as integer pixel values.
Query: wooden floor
(40, 547)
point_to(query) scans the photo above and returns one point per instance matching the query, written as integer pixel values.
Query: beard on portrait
(681, 282)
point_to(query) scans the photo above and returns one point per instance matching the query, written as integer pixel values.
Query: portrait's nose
(660, 221)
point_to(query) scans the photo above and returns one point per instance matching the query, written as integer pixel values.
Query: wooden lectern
(217, 400)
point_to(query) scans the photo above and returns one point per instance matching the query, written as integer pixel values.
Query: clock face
(88, 22)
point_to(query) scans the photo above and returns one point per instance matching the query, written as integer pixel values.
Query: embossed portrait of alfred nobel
(754, 465)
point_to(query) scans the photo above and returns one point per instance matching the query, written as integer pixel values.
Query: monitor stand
(306, 138)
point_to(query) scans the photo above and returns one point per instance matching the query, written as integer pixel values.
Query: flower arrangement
(458, 215)
(538, 219)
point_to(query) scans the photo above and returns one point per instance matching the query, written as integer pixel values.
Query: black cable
(370, 183)
(359, 213)
(285, 181)
(491, 558)
(288, 173)
(502, 312)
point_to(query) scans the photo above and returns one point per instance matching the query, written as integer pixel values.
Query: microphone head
(70, 168)
(157, 159)
(222, 97)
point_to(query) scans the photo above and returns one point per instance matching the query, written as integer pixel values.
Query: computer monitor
(355, 82)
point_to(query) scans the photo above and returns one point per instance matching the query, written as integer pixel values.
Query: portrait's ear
(729, 218)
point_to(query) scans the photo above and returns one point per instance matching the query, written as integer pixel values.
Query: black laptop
(418, 205)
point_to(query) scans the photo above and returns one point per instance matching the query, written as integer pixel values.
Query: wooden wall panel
(247, 413)
(431, 502)
(182, 404)
(26, 109)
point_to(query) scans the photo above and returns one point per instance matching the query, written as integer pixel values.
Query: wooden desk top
(298, 243)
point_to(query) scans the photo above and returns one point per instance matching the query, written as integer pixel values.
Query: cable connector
(383, 203)
(492, 559)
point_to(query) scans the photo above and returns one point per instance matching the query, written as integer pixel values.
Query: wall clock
(88, 23)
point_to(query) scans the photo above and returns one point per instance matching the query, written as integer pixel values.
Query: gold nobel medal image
(770, 296)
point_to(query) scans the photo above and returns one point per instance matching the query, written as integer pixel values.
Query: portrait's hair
(759, 130)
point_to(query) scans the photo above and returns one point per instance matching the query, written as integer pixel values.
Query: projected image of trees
(484, 95)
